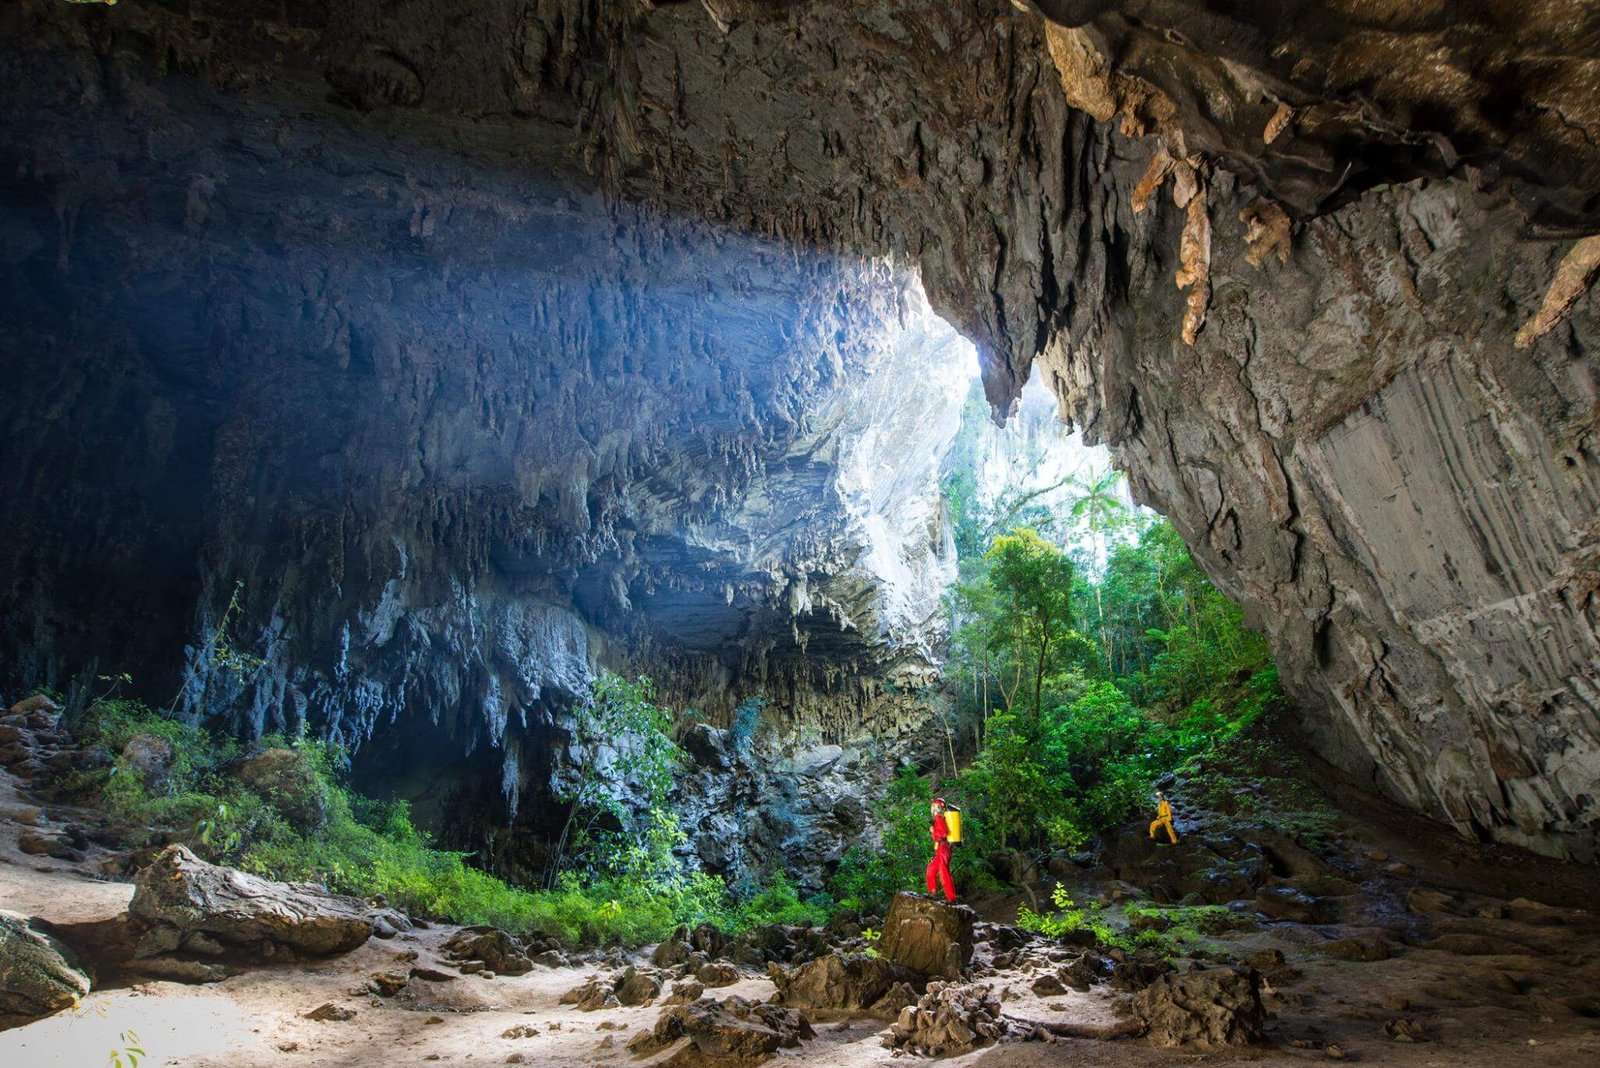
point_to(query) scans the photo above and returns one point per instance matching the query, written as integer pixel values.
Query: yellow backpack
(952, 822)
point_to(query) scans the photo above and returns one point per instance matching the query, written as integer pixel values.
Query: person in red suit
(939, 866)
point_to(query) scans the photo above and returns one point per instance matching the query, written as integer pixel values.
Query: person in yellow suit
(1163, 817)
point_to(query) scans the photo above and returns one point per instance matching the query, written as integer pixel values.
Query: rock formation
(929, 937)
(186, 904)
(471, 340)
(38, 976)
(1209, 1007)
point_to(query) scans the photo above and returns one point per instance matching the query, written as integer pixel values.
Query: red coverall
(940, 864)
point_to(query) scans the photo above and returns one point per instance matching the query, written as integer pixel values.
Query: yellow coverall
(1164, 819)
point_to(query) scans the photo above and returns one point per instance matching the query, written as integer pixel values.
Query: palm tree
(1099, 508)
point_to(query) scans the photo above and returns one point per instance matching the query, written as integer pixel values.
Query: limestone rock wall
(430, 434)
(1360, 204)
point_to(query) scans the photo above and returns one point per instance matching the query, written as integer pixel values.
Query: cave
(380, 373)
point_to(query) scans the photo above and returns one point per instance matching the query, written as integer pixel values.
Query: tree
(1017, 796)
(1031, 583)
(620, 738)
(1100, 509)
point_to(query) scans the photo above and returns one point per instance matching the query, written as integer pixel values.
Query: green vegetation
(1091, 652)
(1092, 681)
(1097, 659)
(867, 878)
(278, 808)
(1167, 931)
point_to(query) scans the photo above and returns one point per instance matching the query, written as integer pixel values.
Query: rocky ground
(1386, 941)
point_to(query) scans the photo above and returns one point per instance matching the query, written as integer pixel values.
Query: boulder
(1049, 985)
(1135, 974)
(762, 945)
(593, 996)
(150, 756)
(47, 844)
(182, 894)
(708, 940)
(329, 1012)
(732, 1030)
(952, 1019)
(719, 973)
(1087, 968)
(387, 984)
(674, 950)
(500, 952)
(39, 711)
(837, 983)
(285, 777)
(38, 975)
(637, 988)
(1214, 1007)
(927, 936)
(684, 991)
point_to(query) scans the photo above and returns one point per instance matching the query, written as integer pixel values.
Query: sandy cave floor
(1531, 1005)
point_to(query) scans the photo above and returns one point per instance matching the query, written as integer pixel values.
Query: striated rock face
(475, 339)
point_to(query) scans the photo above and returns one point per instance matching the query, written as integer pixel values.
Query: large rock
(501, 953)
(952, 1019)
(837, 984)
(38, 975)
(927, 936)
(150, 756)
(188, 902)
(637, 988)
(287, 778)
(731, 1030)
(38, 712)
(1214, 1007)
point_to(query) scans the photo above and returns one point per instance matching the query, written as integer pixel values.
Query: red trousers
(939, 867)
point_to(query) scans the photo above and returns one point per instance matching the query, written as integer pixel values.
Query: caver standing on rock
(1163, 817)
(939, 866)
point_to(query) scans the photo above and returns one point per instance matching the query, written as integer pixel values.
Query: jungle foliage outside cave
(1089, 659)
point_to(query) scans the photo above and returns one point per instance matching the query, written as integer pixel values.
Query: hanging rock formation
(412, 329)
